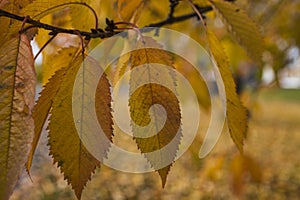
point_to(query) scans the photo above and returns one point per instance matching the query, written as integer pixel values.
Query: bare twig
(199, 14)
(54, 29)
(181, 18)
(44, 46)
(173, 4)
(111, 29)
(54, 8)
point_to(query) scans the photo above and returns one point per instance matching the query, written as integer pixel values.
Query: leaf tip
(28, 173)
(78, 194)
(163, 173)
(163, 181)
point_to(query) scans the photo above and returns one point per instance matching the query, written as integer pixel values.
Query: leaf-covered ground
(273, 142)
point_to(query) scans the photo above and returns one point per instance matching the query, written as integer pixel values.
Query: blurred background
(270, 91)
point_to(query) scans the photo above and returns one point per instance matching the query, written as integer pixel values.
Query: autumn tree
(66, 33)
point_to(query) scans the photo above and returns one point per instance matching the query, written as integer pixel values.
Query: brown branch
(172, 20)
(173, 4)
(54, 29)
(111, 28)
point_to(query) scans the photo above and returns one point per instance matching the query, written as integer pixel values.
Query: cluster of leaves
(22, 121)
(278, 20)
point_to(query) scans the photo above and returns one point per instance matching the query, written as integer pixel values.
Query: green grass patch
(281, 94)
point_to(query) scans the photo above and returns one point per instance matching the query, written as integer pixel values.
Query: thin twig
(54, 8)
(54, 29)
(23, 23)
(199, 14)
(100, 33)
(82, 43)
(181, 18)
(44, 46)
(173, 4)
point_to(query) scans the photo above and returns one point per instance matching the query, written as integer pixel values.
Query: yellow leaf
(66, 147)
(4, 24)
(236, 114)
(195, 79)
(17, 92)
(121, 67)
(235, 53)
(59, 18)
(156, 137)
(41, 8)
(122, 64)
(85, 103)
(36, 9)
(103, 106)
(130, 8)
(44, 103)
(82, 17)
(58, 52)
(14, 7)
(154, 10)
(243, 29)
(55, 61)
(3, 3)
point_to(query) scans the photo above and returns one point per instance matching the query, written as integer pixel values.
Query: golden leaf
(156, 137)
(129, 9)
(55, 61)
(41, 8)
(82, 17)
(36, 9)
(236, 114)
(66, 146)
(243, 29)
(44, 103)
(3, 3)
(14, 7)
(59, 50)
(195, 79)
